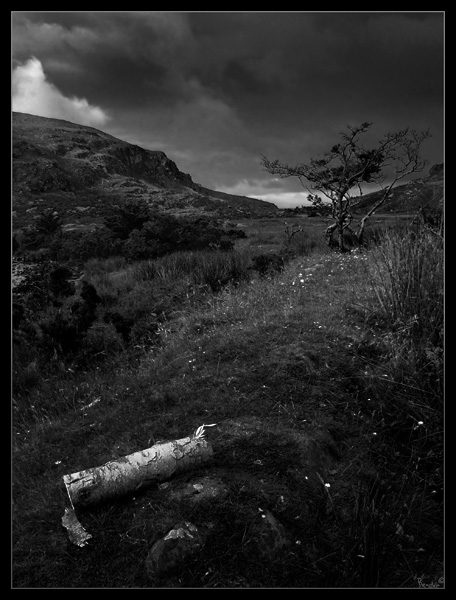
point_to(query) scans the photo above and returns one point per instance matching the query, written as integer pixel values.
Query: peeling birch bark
(76, 532)
(137, 471)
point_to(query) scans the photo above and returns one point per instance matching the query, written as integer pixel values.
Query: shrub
(121, 324)
(63, 324)
(125, 218)
(98, 266)
(84, 310)
(49, 222)
(77, 246)
(60, 333)
(59, 284)
(268, 264)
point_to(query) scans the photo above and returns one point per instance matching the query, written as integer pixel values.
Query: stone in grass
(178, 544)
(268, 535)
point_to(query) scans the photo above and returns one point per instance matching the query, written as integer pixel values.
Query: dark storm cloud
(120, 58)
(217, 90)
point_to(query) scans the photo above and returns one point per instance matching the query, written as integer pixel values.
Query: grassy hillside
(323, 375)
(426, 193)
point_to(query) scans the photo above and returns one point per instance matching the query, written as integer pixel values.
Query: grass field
(344, 350)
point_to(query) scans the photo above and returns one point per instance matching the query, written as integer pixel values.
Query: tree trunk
(341, 238)
(136, 471)
(360, 234)
(329, 233)
(340, 220)
(362, 225)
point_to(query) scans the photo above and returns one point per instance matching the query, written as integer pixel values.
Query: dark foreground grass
(308, 351)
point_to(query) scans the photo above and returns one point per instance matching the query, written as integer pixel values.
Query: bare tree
(290, 231)
(339, 173)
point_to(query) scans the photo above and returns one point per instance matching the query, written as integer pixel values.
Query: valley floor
(293, 372)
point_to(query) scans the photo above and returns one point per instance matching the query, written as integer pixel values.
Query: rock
(178, 544)
(269, 537)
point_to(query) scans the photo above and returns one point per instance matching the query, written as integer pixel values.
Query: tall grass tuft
(406, 275)
(407, 278)
(214, 269)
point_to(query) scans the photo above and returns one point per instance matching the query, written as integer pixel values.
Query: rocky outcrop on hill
(50, 154)
(78, 169)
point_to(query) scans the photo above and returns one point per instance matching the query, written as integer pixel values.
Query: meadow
(306, 341)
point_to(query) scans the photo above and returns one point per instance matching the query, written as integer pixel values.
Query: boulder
(179, 543)
(268, 536)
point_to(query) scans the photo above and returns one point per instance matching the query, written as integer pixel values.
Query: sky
(216, 91)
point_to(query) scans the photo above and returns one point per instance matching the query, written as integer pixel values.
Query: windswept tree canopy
(349, 164)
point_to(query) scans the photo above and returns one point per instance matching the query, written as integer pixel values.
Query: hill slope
(427, 192)
(79, 170)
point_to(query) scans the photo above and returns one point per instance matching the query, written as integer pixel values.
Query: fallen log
(136, 471)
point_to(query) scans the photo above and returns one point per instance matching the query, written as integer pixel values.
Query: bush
(60, 333)
(131, 229)
(46, 310)
(268, 264)
(59, 284)
(125, 218)
(77, 246)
